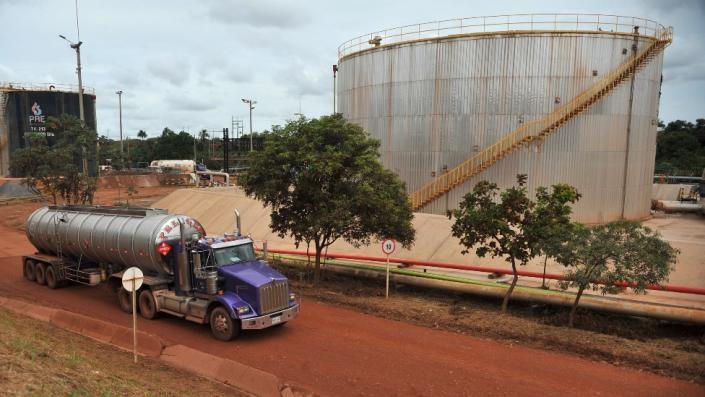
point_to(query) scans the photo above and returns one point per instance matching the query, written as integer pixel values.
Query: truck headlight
(292, 296)
(243, 310)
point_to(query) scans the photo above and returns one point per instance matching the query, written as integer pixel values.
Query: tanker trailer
(215, 280)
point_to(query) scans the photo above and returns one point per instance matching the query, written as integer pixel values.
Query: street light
(250, 104)
(77, 47)
(119, 93)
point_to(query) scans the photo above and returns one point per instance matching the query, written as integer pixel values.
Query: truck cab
(221, 282)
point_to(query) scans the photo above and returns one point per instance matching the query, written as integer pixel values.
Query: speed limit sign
(388, 246)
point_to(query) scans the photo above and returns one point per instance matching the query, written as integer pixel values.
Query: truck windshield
(234, 254)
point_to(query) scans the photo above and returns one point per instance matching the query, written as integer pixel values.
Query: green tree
(142, 134)
(324, 182)
(680, 148)
(552, 224)
(609, 257)
(504, 228)
(173, 146)
(55, 169)
(203, 135)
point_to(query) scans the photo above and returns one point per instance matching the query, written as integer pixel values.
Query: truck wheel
(147, 305)
(50, 277)
(223, 326)
(40, 273)
(125, 301)
(29, 270)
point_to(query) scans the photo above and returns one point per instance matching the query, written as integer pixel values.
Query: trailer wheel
(147, 305)
(50, 276)
(40, 273)
(125, 301)
(29, 270)
(223, 326)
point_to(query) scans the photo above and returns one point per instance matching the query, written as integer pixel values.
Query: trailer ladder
(541, 128)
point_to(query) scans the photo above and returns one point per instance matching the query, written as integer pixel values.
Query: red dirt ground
(333, 351)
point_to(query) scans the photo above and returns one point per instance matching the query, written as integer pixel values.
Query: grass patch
(37, 359)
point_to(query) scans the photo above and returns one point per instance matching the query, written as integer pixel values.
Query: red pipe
(484, 269)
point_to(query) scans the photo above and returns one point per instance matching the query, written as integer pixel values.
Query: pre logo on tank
(37, 120)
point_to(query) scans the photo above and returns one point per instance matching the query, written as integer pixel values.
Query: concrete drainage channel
(232, 373)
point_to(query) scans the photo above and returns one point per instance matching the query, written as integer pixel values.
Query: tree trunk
(317, 270)
(543, 282)
(515, 277)
(574, 309)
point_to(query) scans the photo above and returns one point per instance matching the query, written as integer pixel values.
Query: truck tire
(125, 301)
(147, 305)
(29, 270)
(222, 325)
(50, 277)
(40, 273)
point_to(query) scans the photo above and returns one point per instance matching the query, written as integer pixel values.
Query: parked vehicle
(209, 280)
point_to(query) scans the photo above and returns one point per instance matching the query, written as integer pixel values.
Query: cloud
(302, 78)
(6, 74)
(188, 102)
(173, 70)
(671, 5)
(275, 14)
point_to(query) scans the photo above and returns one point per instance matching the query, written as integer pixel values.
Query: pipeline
(484, 269)
(523, 293)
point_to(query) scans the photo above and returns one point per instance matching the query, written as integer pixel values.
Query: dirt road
(332, 351)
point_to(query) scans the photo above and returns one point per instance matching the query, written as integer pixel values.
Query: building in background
(25, 108)
(554, 96)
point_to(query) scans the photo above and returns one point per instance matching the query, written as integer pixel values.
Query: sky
(187, 64)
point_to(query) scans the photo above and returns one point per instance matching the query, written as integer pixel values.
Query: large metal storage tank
(437, 93)
(24, 109)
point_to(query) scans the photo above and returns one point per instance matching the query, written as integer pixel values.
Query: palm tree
(203, 135)
(142, 134)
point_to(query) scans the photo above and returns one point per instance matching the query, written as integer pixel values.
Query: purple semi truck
(215, 280)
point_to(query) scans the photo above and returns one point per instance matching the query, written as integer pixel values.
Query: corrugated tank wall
(435, 103)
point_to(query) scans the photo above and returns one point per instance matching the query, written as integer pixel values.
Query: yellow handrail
(537, 129)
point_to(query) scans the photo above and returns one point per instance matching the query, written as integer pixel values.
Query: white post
(134, 320)
(386, 294)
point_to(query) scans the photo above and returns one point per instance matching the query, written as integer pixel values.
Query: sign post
(132, 281)
(388, 247)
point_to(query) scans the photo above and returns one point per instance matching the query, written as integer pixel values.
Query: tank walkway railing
(14, 86)
(538, 129)
(501, 23)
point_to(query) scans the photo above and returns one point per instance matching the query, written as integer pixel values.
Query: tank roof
(497, 24)
(6, 86)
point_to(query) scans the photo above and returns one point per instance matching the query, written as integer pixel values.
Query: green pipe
(414, 273)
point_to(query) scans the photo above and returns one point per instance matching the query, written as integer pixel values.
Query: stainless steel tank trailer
(209, 280)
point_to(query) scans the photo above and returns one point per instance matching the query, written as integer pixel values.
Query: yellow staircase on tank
(538, 129)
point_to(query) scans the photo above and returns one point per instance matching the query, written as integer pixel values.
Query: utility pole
(77, 48)
(225, 149)
(251, 106)
(335, 71)
(129, 158)
(119, 93)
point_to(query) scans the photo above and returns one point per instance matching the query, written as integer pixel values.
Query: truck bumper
(270, 319)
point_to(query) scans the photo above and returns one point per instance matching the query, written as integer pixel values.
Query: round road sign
(388, 246)
(129, 275)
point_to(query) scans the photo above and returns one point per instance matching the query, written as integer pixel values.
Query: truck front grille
(274, 296)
